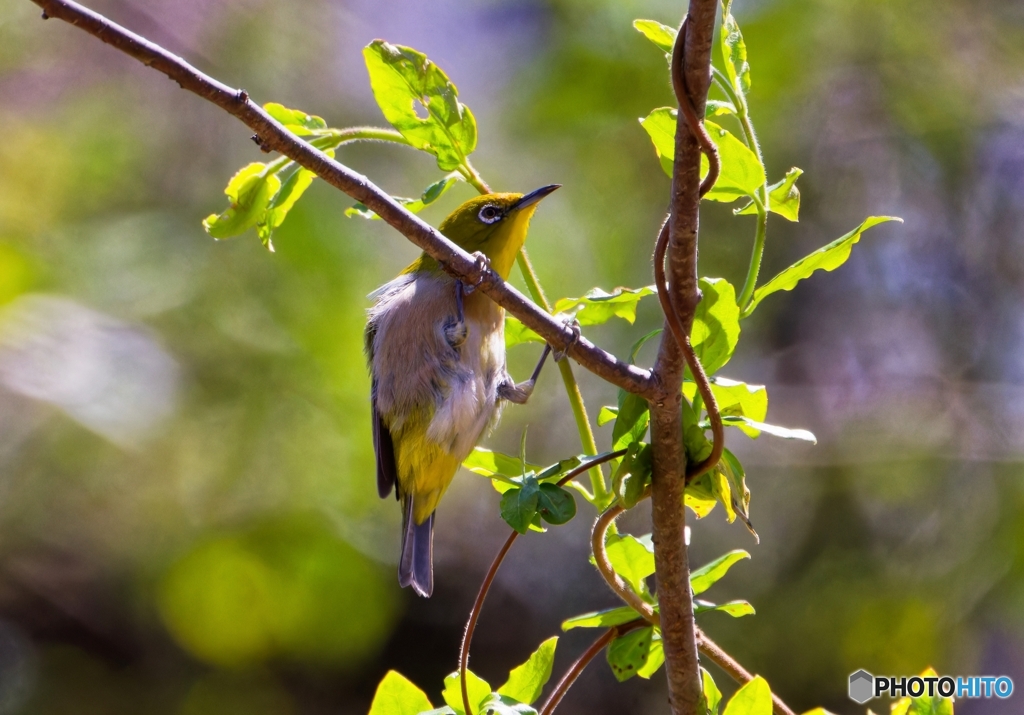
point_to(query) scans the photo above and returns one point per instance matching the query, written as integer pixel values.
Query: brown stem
(604, 565)
(485, 586)
(693, 53)
(273, 136)
(734, 670)
(588, 655)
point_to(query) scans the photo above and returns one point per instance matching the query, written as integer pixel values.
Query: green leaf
(719, 108)
(732, 470)
(476, 687)
(699, 496)
(696, 443)
(736, 399)
(431, 194)
(774, 430)
(290, 192)
(736, 609)
(606, 415)
(742, 173)
(923, 705)
(632, 558)
(661, 35)
(526, 681)
(487, 463)
(519, 506)
(634, 415)
(400, 78)
(655, 657)
(555, 505)
(712, 695)
(497, 704)
(601, 619)
(628, 654)
(703, 578)
(754, 698)
(734, 50)
(516, 333)
(295, 120)
(599, 306)
(632, 474)
(635, 350)
(249, 192)
(784, 197)
(716, 324)
(721, 487)
(827, 258)
(396, 695)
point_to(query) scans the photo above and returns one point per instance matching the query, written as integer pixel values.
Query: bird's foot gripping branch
(684, 401)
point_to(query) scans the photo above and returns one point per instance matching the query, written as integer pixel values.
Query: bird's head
(495, 225)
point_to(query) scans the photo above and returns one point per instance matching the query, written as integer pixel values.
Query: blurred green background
(188, 518)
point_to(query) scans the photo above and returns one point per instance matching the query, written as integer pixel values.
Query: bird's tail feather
(416, 568)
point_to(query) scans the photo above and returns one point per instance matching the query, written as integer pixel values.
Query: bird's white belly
(471, 404)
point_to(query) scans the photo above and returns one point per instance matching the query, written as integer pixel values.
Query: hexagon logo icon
(862, 686)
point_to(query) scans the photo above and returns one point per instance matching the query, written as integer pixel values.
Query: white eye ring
(489, 214)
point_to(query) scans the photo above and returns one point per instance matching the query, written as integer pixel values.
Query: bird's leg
(519, 394)
(574, 325)
(455, 333)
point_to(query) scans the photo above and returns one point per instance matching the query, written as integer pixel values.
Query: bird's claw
(483, 267)
(577, 332)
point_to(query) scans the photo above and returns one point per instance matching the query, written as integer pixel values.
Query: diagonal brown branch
(273, 136)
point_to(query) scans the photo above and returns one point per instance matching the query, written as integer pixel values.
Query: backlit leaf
(736, 609)
(599, 306)
(516, 333)
(827, 258)
(716, 324)
(736, 399)
(774, 430)
(703, 578)
(784, 197)
(476, 687)
(403, 80)
(632, 420)
(660, 34)
(655, 657)
(734, 50)
(632, 558)
(712, 695)
(249, 192)
(754, 698)
(396, 695)
(526, 681)
(601, 619)
(295, 120)
(431, 194)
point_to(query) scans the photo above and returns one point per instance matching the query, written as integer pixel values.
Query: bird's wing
(384, 448)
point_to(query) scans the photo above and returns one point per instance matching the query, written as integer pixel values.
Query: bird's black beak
(534, 196)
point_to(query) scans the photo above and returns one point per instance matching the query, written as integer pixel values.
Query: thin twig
(604, 565)
(485, 586)
(588, 655)
(733, 669)
(273, 136)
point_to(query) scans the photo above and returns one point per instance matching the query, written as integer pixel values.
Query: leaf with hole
(703, 578)
(827, 258)
(627, 654)
(655, 656)
(396, 695)
(403, 79)
(526, 681)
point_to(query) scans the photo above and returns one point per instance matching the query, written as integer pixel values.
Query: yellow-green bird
(436, 351)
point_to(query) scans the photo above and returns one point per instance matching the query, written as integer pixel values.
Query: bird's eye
(489, 213)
